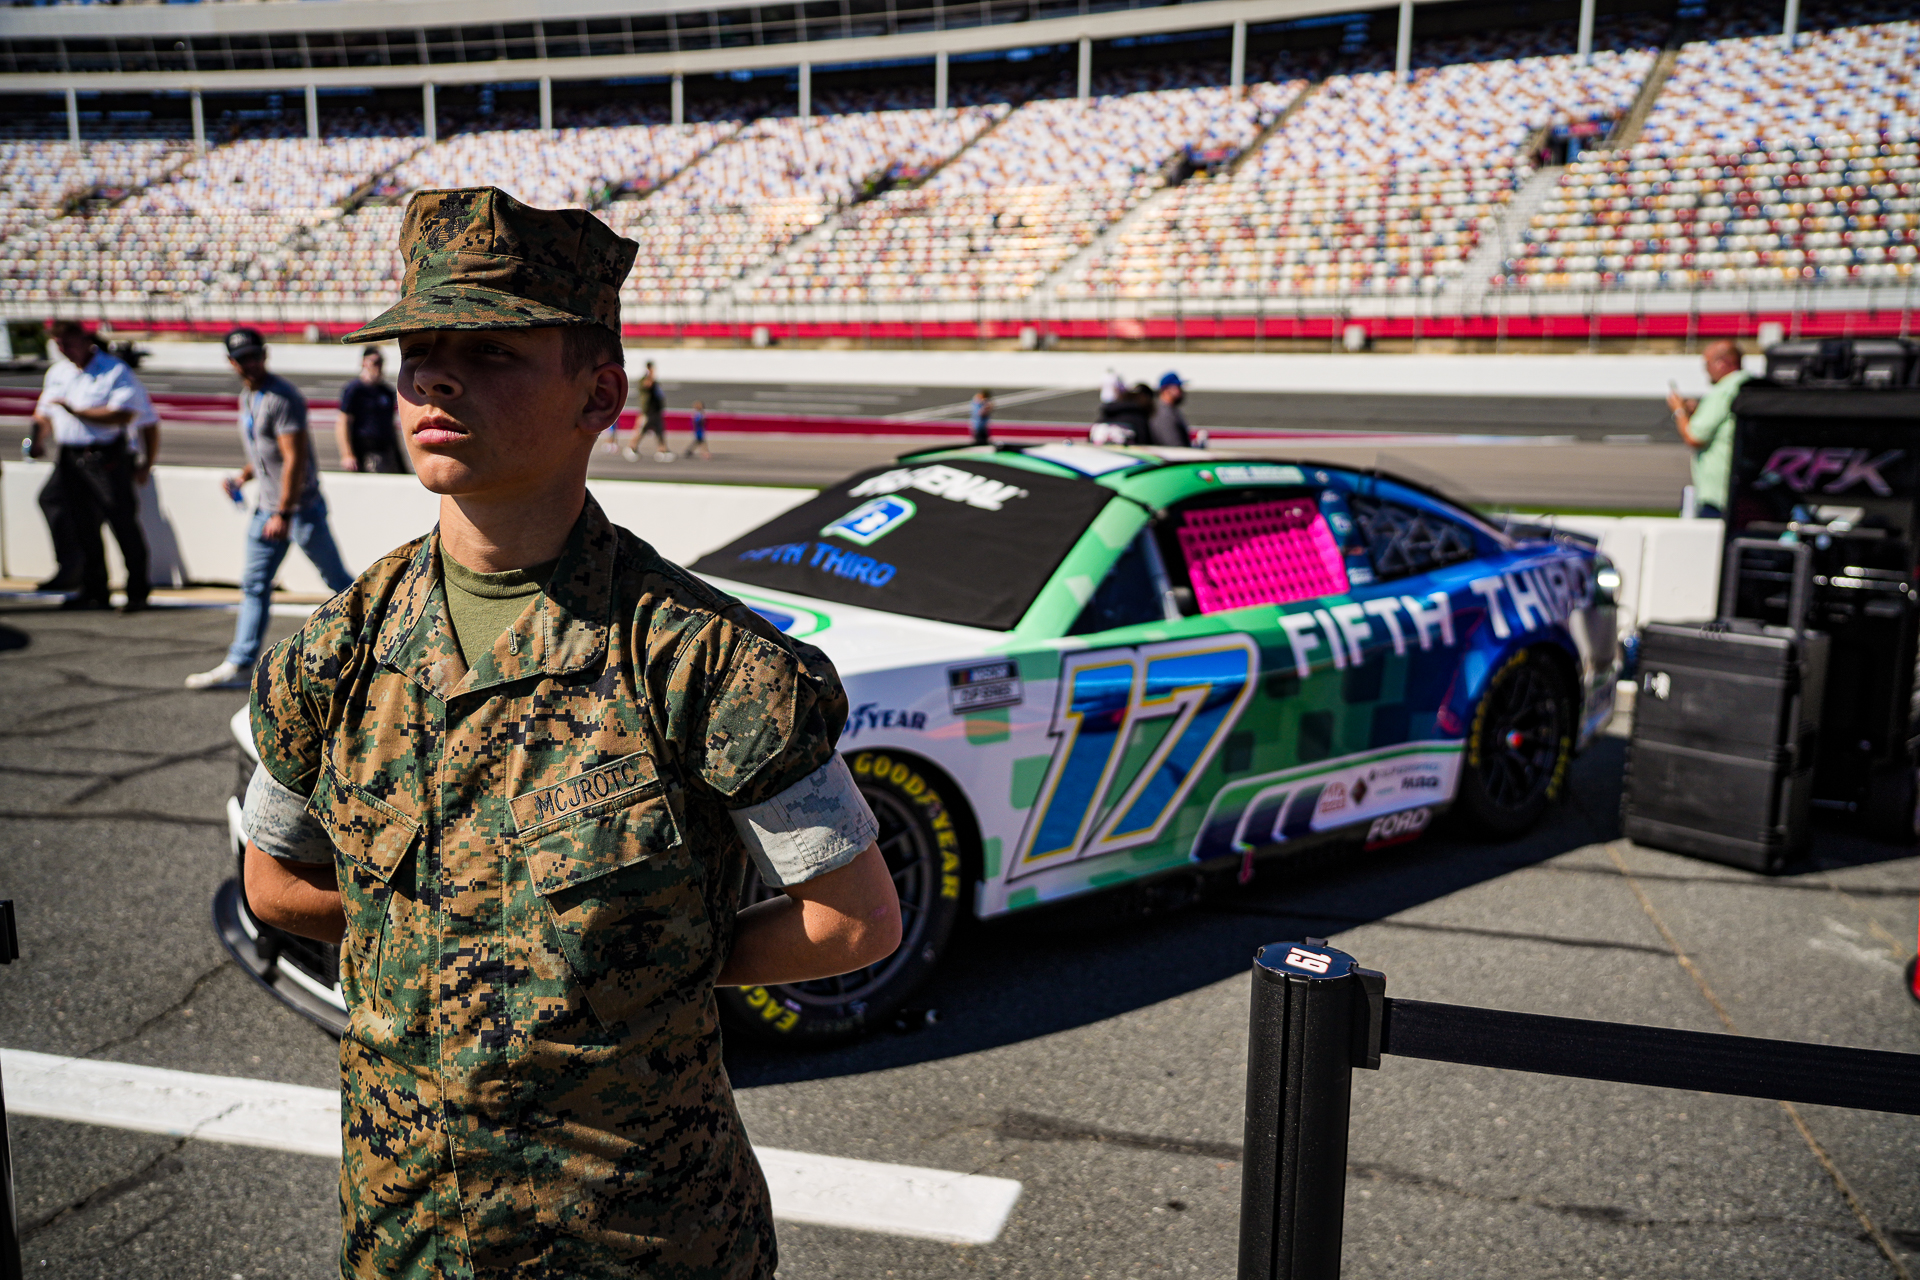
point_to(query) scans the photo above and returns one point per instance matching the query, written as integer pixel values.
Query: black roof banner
(965, 542)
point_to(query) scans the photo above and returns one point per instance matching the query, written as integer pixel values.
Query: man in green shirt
(1706, 425)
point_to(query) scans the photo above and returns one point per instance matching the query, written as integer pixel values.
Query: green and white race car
(1075, 669)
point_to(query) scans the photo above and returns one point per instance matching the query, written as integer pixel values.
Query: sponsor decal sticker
(870, 715)
(1804, 469)
(829, 559)
(1259, 473)
(943, 481)
(1380, 788)
(871, 521)
(982, 686)
(1397, 828)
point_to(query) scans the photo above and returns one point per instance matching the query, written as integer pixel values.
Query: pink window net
(1261, 553)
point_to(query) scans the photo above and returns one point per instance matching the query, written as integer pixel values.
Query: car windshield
(969, 542)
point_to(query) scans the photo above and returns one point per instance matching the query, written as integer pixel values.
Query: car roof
(1118, 466)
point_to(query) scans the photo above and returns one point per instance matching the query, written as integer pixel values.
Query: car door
(1354, 725)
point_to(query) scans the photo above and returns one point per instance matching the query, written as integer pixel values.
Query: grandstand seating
(1760, 166)
(350, 260)
(1846, 213)
(1369, 186)
(1023, 200)
(1735, 95)
(569, 167)
(779, 178)
(43, 174)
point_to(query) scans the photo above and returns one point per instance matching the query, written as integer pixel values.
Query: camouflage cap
(479, 259)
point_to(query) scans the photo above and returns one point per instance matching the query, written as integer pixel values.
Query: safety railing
(1317, 1015)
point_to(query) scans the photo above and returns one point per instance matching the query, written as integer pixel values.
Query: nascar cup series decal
(1106, 788)
(982, 686)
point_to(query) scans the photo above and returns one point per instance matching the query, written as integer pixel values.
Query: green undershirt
(481, 606)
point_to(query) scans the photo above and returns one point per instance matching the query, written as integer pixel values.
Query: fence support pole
(1316, 1016)
(9, 1224)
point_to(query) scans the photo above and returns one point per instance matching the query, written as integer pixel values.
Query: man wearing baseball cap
(287, 507)
(1167, 425)
(518, 771)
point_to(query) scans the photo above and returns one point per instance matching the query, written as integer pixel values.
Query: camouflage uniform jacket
(539, 877)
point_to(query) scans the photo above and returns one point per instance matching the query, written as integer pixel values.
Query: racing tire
(1518, 749)
(923, 836)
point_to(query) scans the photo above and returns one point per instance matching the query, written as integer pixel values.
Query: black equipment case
(1725, 732)
(1836, 467)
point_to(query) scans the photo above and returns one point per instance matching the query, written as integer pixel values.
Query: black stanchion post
(9, 1223)
(1316, 1016)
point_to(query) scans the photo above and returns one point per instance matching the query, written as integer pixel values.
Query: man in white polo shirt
(88, 402)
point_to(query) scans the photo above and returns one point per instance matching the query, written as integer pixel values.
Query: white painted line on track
(119, 598)
(119, 1095)
(892, 1199)
(827, 1191)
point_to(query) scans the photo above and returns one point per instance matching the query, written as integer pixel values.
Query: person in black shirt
(365, 421)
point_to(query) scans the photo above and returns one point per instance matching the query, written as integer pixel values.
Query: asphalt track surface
(1570, 454)
(1099, 1064)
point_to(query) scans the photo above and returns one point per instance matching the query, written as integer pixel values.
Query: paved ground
(1570, 454)
(1102, 1067)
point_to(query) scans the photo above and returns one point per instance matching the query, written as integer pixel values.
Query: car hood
(860, 640)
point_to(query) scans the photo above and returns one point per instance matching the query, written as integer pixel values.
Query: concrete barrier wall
(196, 534)
(1669, 569)
(1584, 374)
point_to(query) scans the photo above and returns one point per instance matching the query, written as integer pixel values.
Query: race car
(1075, 669)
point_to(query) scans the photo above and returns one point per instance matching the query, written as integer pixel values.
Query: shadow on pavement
(1016, 980)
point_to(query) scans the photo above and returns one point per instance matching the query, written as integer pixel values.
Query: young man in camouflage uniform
(521, 766)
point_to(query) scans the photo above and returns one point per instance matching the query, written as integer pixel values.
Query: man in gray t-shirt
(287, 506)
(273, 415)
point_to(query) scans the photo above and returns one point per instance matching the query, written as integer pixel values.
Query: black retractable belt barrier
(1317, 1015)
(9, 1224)
(1744, 1066)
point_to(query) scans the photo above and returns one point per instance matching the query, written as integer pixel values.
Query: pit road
(1567, 453)
(1101, 1066)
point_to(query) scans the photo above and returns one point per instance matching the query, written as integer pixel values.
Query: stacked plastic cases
(1261, 553)
(1726, 730)
(1837, 468)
